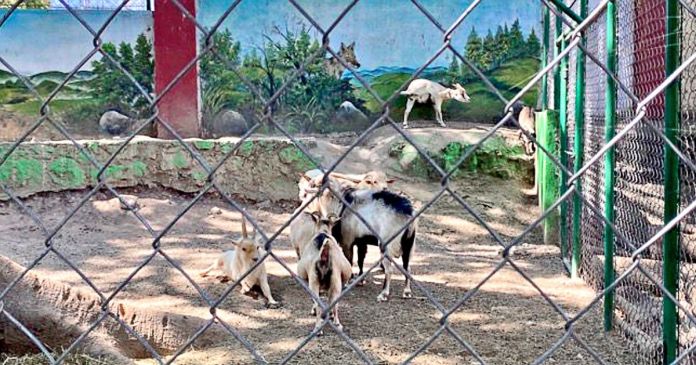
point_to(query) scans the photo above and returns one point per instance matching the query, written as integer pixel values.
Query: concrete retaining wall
(261, 169)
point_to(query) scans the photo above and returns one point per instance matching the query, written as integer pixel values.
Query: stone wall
(261, 169)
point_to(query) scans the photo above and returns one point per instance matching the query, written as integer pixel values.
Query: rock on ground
(227, 123)
(115, 123)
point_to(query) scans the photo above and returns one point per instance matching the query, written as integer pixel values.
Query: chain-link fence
(639, 192)
(639, 226)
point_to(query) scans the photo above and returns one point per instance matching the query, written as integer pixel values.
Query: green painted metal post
(563, 147)
(670, 243)
(579, 149)
(545, 57)
(609, 163)
(557, 70)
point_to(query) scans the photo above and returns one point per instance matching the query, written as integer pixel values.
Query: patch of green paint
(199, 176)
(246, 148)
(295, 156)
(138, 168)
(22, 171)
(180, 160)
(66, 172)
(226, 147)
(92, 146)
(115, 171)
(204, 145)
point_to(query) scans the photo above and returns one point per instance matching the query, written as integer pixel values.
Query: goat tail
(406, 93)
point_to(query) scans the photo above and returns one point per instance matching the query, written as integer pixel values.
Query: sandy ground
(506, 322)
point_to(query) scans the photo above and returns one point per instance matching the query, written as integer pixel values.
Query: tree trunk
(58, 314)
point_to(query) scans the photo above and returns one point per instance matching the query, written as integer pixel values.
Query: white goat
(386, 213)
(324, 266)
(527, 123)
(422, 91)
(235, 263)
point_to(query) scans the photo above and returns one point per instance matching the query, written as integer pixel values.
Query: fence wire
(639, 227)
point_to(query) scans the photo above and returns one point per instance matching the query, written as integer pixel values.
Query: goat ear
(343, 46)
(352, 45)
(445, 93)
(458, 86)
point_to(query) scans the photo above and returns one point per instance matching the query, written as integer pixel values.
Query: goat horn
(244, 227)
(339, 175)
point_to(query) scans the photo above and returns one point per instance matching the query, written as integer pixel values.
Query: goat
(386, 212)
(235, 263)
(422, 91)
(311, 180)
(526, 120)
(324, 266)
(302, 228)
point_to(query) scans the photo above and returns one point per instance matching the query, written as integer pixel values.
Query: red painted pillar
(175, 47)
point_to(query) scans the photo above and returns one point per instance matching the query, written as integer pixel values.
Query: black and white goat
(386, 212)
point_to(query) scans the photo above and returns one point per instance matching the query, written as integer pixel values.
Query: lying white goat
(234, 263)
(422, 91)
(324, 266)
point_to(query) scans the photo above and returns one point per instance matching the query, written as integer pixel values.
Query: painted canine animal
(334, 67)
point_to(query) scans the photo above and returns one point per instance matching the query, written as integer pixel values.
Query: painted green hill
(509, 78)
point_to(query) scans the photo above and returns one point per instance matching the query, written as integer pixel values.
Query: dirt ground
(507, 321)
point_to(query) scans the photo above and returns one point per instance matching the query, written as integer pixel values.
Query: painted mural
(266, 42)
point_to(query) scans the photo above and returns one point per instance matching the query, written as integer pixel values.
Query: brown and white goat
(324, 266)
(235, 263)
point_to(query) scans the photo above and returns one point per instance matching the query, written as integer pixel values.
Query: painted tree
(28, 4)
(516, 39)
(501, 45)
(453, 71)
(533, 44)
(474, 48)
(112, 88)
(488, 56)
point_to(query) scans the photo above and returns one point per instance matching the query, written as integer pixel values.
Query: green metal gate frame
(548, 136)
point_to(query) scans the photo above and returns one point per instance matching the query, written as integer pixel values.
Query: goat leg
(384, 295)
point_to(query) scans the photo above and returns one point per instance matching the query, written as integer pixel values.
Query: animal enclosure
(103, 241)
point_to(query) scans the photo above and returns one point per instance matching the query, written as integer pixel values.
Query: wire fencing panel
(639, 202)
(687, 140)
(593, 179)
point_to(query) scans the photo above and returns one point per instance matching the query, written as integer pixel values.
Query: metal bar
(670, 243)
(609, 163)
(545, 58)
(557, 71)
(578, 149)
(568, 11)
(563, 147)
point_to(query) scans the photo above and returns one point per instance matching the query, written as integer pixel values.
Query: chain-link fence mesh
(639, 192)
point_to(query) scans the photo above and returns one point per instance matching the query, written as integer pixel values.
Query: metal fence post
(563, 147)
(557, 70)
(609, 163)
(670, 243)
(578, 149)
(544, 57)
